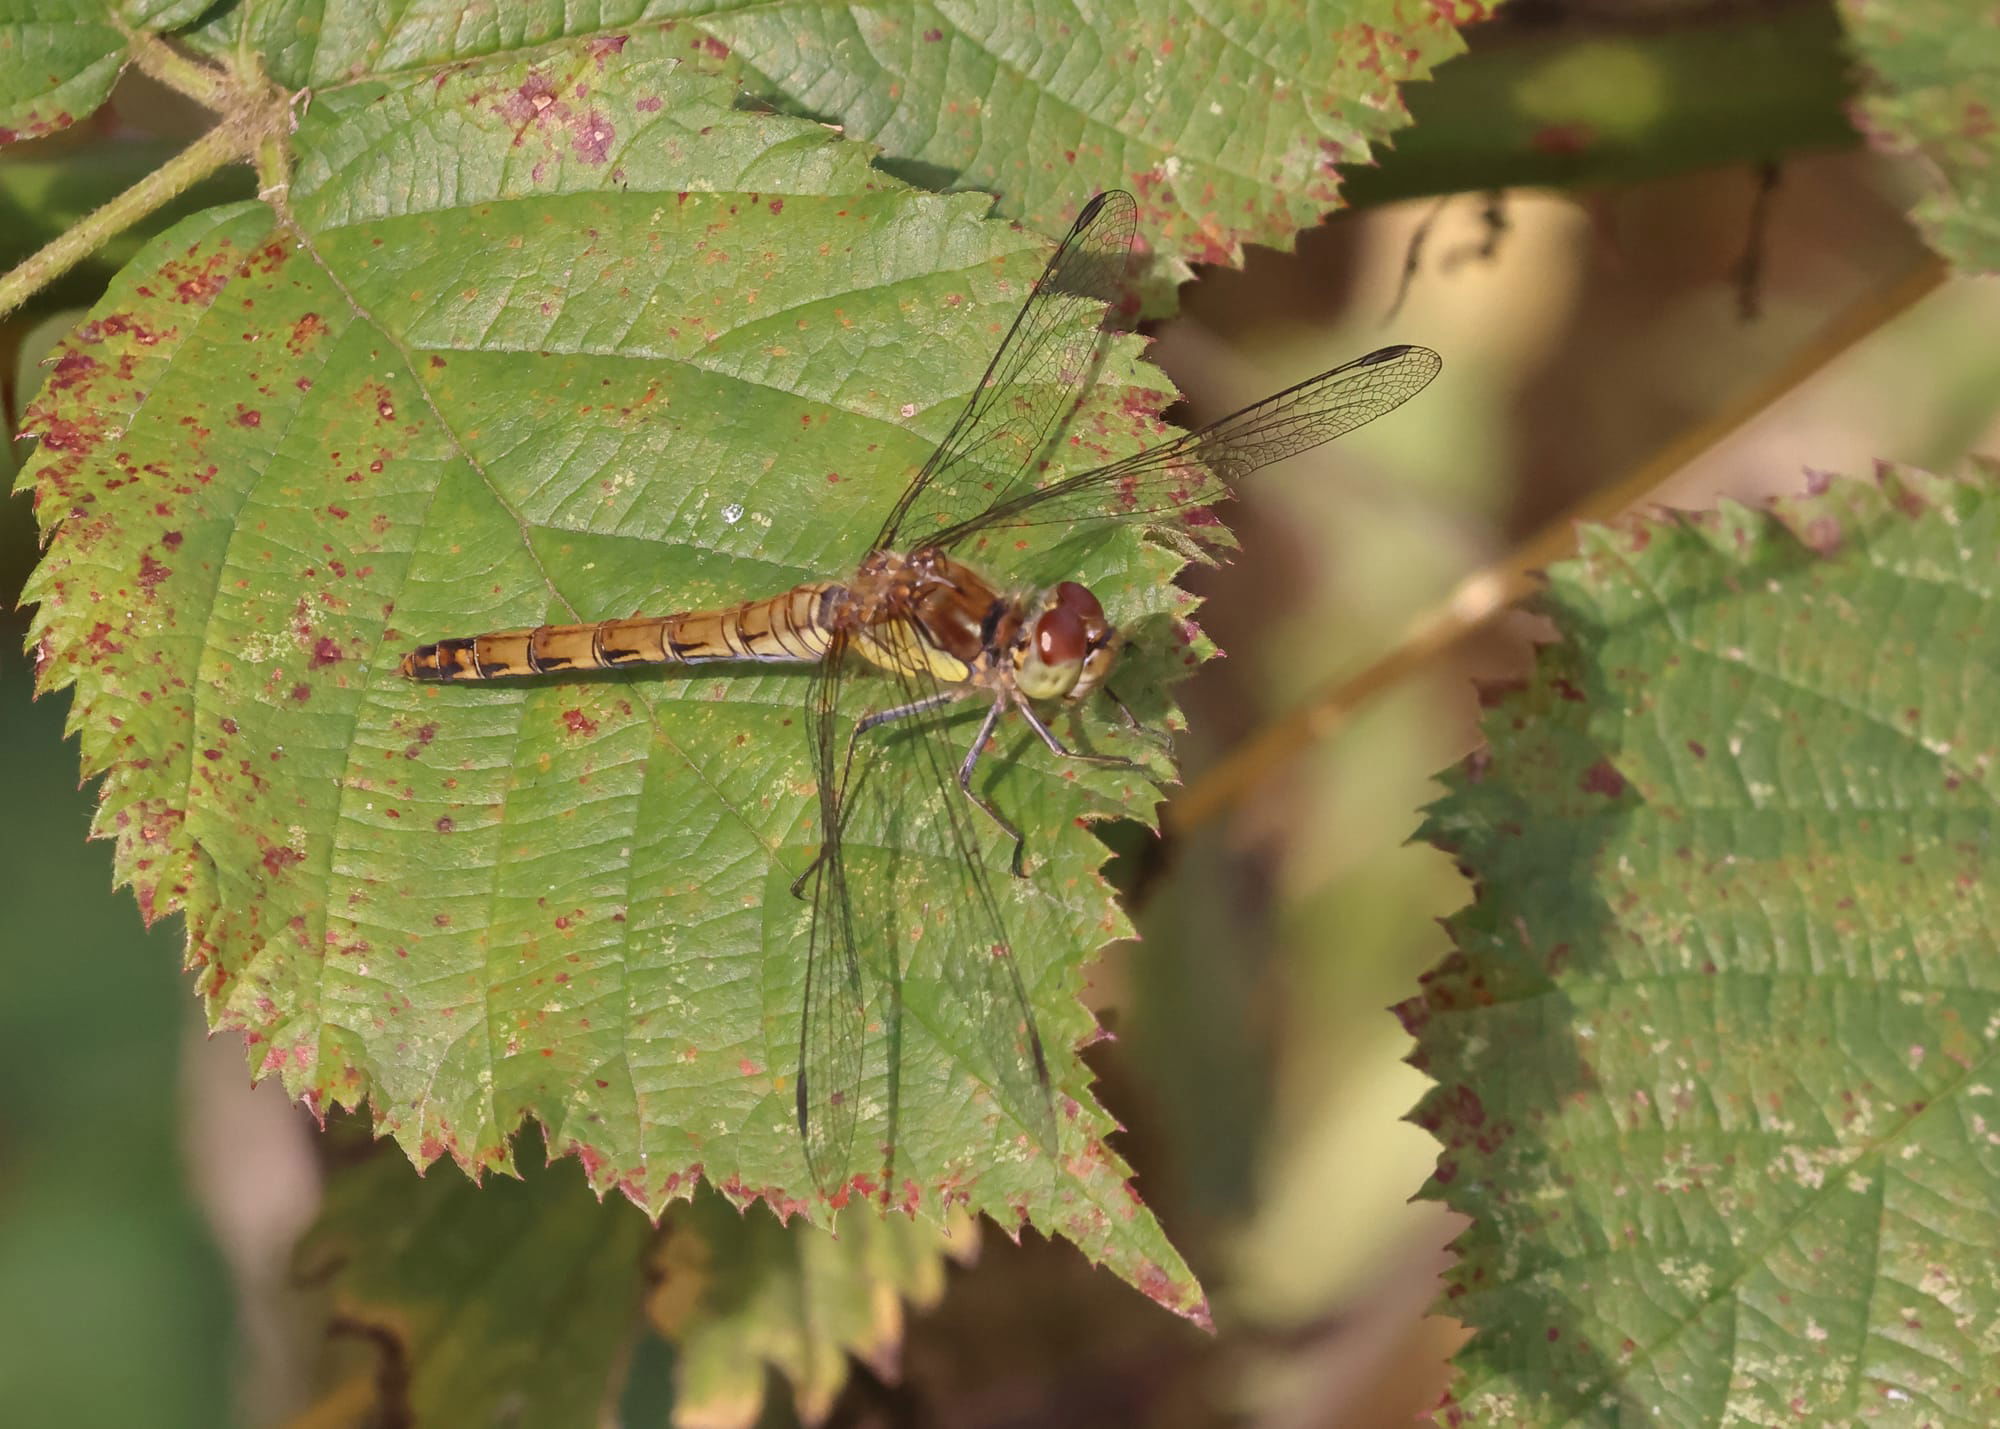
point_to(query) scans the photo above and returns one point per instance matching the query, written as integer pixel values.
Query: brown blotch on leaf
(1601, 778)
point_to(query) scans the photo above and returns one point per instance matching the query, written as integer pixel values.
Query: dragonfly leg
(799, 883)
(1130, 718)
(965, 782)
(861, 727)
(922, 706)
(1062, 750)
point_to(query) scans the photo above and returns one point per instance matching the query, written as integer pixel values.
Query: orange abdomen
(793, 627)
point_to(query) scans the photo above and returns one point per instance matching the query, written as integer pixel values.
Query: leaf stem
(1491, 589)
(203, 83)
(219, 146)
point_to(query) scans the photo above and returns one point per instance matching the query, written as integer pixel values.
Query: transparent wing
(1206, 465)
(1041, 371)
(901, 876)
(833, 1022)
(986, 1015)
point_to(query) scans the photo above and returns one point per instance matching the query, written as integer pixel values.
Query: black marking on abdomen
(546, 664)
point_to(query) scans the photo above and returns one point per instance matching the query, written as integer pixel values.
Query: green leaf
(1933, 90)
(451, 1303)
(1714, 1056)
(553, 339)
(737, 1292)
(1228, 125)
(456, 1304)
(58, 60)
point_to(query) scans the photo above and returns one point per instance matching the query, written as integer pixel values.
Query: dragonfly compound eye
(1062, 638)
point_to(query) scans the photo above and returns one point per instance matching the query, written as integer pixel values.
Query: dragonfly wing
(833, 1022)
(985, 1019)
(902, 897)
(1206, 465)
(1041, 371)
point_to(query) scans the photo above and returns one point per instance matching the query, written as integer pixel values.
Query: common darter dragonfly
(944, 634)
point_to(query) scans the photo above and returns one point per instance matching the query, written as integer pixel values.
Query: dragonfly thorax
(927, 610)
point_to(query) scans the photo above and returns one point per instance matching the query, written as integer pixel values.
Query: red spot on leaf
(307, 330)
(579, 722)
(326, 651)
(1601, 778)
(593, 139)
(70, 369)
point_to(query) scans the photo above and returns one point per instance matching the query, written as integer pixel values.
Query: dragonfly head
(1066, 646)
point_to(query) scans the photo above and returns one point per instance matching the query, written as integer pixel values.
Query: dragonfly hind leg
(861, 727)
(1063, 751)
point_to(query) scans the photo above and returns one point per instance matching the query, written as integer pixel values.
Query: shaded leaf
(738, 1293)
(1227, 124)
(1933, 90)
(551, 339)
(1714, 1055)
(457, 1304)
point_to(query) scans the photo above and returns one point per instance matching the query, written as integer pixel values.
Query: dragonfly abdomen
(790, 628)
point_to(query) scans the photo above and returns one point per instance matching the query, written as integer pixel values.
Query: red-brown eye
(1059, 635)
(1071, 596)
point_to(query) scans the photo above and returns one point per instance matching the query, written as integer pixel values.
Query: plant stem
(202, 83)
(219, 146)
(1486, 592)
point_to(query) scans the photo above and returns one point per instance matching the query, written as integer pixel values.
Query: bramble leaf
(543, 339)
(451, 1303)
(1933, 89)
(1227, 124)
(1714, 1056)
(58, 60)
(738, 1295)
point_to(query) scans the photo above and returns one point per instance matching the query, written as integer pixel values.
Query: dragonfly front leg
(1063, 751)
(861, 727)
(1131, 719)
(986, 728)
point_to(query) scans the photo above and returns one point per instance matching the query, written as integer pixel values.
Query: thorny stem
(243, 124)
(1488, 591)
(204, 156)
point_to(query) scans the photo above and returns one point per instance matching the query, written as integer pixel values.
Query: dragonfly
(946, 634)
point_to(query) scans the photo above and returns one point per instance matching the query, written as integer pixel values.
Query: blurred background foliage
(150, 1201)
